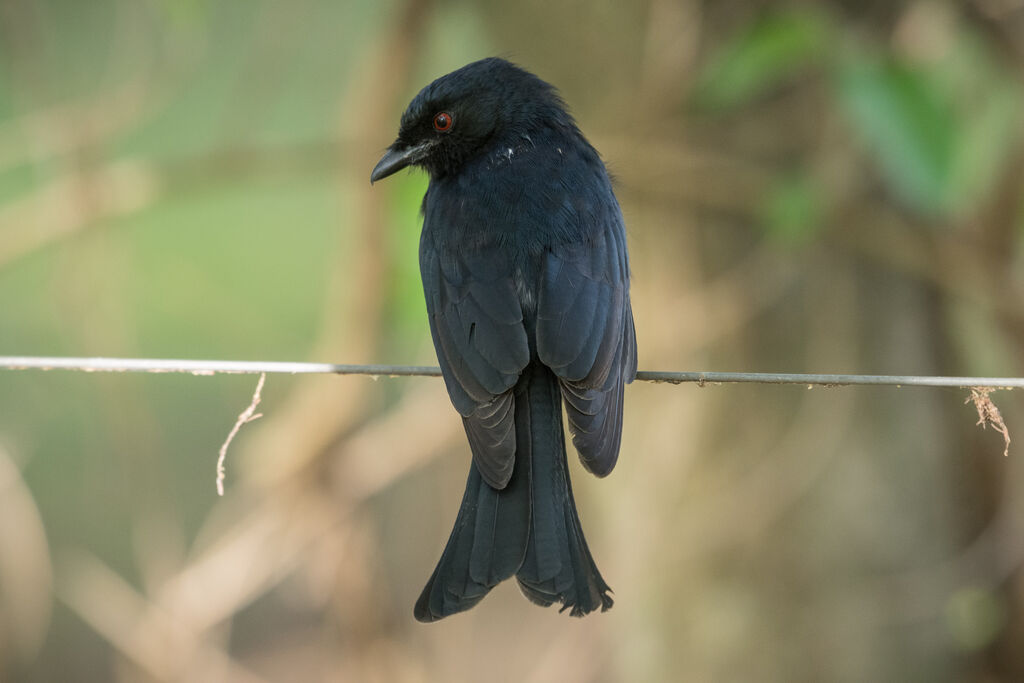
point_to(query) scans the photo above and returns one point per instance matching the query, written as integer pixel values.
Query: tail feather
(529, 529)
(501, 529)
(562, 570)
(450, 588)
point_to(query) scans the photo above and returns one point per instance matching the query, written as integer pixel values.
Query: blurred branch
(55, 131)
(169, 649)
(71, 203)
(26, 569)
(163, 631)
(883, 236)
(79, 199)
(295, 515)
(317, 414)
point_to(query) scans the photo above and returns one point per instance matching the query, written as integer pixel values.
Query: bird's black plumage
(526, 276)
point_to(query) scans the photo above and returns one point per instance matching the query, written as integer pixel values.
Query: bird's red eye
(443, 122)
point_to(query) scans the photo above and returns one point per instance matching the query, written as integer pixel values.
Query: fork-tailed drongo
(526, 276)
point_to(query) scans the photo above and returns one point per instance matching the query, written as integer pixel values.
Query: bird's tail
(529, 529)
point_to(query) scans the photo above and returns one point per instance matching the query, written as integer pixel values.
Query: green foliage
(222, 260)
(939, 131)
(771, 50)
(241, 113)
(182, 13)
(408, 308)
(974, 617)
(909, 127)
(988, 102)
(791, 211)
(454, 37)
(939, 128)
(256, 237)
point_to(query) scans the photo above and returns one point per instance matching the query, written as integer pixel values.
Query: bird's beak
(398, 157)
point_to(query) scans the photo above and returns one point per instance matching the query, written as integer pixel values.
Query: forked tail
(529, 529)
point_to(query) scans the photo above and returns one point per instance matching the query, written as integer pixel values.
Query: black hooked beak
(397, 158)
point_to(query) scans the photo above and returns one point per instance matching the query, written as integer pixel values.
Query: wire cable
(213, 367)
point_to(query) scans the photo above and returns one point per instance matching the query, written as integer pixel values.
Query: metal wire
(213, 367)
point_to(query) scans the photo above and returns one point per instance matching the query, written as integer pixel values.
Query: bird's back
(517, 200)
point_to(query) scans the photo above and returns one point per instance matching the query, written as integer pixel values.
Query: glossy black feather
(526, 277)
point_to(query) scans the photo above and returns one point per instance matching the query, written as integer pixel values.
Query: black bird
(526, 276)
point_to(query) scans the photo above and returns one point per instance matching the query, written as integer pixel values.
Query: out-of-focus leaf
(989, 101)
(902, 117)
(455, 37)
(974, 617)
(941, 131)
(791, 211)
(983, 146)
(408, 306)
(182, 12)
(771, 50)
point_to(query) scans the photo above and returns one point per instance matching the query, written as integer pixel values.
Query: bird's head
(460, 115)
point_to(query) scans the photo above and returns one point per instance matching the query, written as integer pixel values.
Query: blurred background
(808, 187)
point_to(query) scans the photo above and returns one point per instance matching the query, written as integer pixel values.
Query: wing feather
(585, 334)
(477, 327)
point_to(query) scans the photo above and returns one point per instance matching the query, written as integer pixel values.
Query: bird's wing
(585, 335)
(477, 326)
